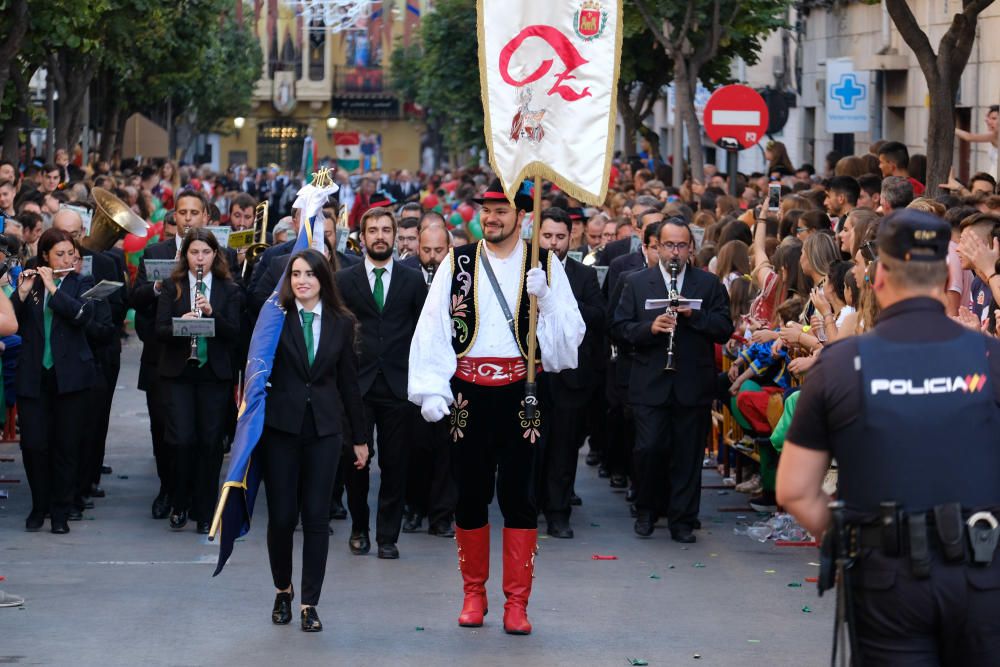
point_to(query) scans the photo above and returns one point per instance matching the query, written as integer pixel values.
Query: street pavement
(122, 589)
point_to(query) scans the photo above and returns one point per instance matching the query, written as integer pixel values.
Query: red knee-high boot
(519, 548)
(474, 563)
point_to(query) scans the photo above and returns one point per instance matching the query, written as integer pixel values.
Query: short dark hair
(651, 230)
(981, 176)
(897, 153)
(870, 183)
(408, 223)
(994, 108)
(29, 220)
(148, 172)
(49, 167)
(808, 168)
(557, 214)
(194, 194)
(677, 222)
(374, 214)
(244, 200)
(847, 186)
(411, 207)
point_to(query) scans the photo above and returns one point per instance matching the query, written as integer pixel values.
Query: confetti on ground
(699, 565)
(753, 641)
(806, 610)
(722, 493)
(595, 525)
(795, 584)
(600, 557)
(655, 576)
(697, 656)
(684, 548)
(122, 476)
(713, 555)
(741, 516)
(543, 537)
(419, 629)
(636, 661)
(812, 580)
(769, 571)
(670, 567)
(814, 564)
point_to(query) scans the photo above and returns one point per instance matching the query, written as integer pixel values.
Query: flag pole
(217, 519)
(530, 387)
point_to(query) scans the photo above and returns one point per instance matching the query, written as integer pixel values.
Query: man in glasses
(672, 408)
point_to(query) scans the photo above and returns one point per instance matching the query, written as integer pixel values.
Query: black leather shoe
(603, 472)
(75, 515)
(644, 525)
(310, 620)
(619, 482)
(359, 543)
(161, 506)
(85, 503)
(34, 522)
(337, 511)
(630, 496)
(413, 523)
(178, 520)
(203, 527)
(683, 535)
(59, 527)
(575, 500)
(388, 552)
(96, 491)
(632, 511)
(593, 458)
(559, 528)
(282, 612)
(441, 529)
(106, 470)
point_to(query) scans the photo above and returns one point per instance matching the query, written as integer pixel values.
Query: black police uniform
(911, 413)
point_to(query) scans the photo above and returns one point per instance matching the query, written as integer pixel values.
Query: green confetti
(806, 610)
(699, 565)
(638, 662)
(795, 584)
(670, 567)
(753, 641)
(654, 576)
(419, 628)
(595, 525)
(769, 571)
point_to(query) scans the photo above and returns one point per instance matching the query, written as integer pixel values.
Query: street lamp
(331, 125)
(238, 123)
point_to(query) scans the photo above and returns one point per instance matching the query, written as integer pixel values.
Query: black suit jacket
(633, 261)
(573, 387)
(226, 299)
(73, 359)
(329, 385)
(613, 250)
(385, 336)
(693, 383)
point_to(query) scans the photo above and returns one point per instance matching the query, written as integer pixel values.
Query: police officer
(911, 413)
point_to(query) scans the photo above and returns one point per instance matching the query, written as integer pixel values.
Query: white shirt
(432, 357)
(193, 286)
(386, 277)
(680, 277)
(317, 322)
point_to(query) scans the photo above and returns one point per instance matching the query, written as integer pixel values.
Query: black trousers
(950, 618)
(92, 449)
(619, 426)
(393, 419)
(564, 433)
(163, 452)
(495, 448)
(430, 485)
(52, 431)
(669, 447)
(595, 420)
(298, 474)
(196, 405)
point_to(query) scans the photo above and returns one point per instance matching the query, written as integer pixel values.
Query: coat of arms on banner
(590, 20)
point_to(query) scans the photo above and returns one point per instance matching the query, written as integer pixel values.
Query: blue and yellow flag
(239, 491)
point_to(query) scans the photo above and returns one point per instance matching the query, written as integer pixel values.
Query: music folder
(103, 290)
(693, 304)
(159, 269)
(194, 326)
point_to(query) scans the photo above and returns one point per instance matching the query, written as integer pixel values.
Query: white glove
(537, 286)
(434, 409)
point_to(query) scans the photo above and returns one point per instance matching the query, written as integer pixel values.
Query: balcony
(363, 92)
(360, 80)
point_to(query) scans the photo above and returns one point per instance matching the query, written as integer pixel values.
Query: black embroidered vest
(465, 290)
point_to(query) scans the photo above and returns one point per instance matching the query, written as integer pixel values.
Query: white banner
(549, 72)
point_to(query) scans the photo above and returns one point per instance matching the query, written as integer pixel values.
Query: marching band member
(468, 354)
(197, 374)
(303, 432)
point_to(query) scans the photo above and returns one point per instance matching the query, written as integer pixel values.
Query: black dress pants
(495, 447)
(298, 474)
(950, 618)
(196, 406)
(669, 447)
(163, 452)
(430, 485)
(52, 431)
(619, 429)
(559, 459)
(393, 419)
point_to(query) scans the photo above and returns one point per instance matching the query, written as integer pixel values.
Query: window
(280, 142)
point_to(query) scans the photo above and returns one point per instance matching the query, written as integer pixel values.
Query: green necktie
(307, 331)
(379, 291)
(202, 341)
(47, 321)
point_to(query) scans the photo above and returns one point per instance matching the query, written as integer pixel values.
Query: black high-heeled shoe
(282, 612)
(310, 620)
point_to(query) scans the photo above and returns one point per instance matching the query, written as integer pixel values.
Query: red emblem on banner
(590, 20)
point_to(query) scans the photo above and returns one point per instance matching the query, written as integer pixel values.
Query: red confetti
(600, 557)
(812, 580)
(789, 543)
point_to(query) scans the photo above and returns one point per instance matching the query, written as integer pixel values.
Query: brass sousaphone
(112, 220)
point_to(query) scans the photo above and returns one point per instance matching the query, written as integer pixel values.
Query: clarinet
(199, 275)
(674, 302)
(430, 268)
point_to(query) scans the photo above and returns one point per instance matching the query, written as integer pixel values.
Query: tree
(645, 70)
(697, 36)
(943, 73)
(442, 76)
(13, 27)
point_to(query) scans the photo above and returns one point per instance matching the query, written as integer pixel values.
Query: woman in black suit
(314, 383)
(197, 386)
(55, 370)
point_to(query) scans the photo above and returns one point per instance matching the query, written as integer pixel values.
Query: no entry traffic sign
(738, 113)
